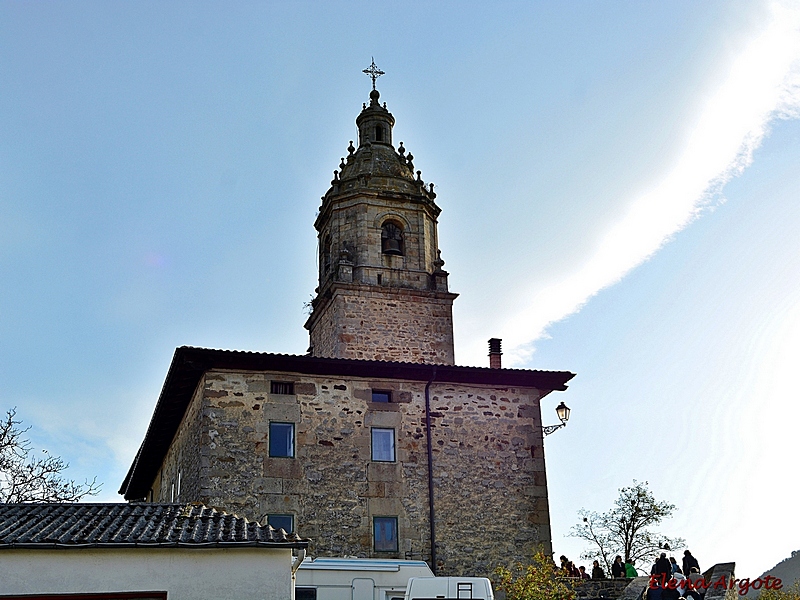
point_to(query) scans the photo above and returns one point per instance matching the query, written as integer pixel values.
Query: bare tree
(28, 478)
(625, 529)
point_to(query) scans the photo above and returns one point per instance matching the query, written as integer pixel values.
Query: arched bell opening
(392, 239)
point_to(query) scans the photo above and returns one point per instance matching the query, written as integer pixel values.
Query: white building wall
(184, 573)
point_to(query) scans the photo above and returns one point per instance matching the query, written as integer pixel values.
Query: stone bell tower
(382, 291)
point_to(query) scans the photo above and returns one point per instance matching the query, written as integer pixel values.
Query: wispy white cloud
(762, 84)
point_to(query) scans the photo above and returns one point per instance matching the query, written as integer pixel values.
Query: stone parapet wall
(636, 588)
(489, 475)
(726, 572)
(600, 588)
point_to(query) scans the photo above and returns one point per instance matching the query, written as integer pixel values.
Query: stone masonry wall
(392, 324)
(183, 457)
(489, 476)
(490, 488)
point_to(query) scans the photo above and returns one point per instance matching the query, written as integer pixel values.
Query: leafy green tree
(540, 580)
(25, 477)
(626, 529)
(790, 593)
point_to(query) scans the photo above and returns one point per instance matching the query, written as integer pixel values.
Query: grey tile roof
(129, 525)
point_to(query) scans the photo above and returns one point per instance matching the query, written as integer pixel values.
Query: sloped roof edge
(134, 525)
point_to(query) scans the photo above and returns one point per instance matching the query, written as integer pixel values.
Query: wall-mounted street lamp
(562, 410)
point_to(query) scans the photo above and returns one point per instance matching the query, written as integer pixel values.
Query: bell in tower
(391, 239)
(382, 291)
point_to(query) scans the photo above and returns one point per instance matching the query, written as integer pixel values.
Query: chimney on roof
(495, 353)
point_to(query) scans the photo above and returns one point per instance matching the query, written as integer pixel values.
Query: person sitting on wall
(630, 570)
(671, 590)
(695, 587)
(617, 568)
(689, 561)
(564, 563)
(654, 590)
(682, 583)
(597, 572)
(663, 567)
(674, 564)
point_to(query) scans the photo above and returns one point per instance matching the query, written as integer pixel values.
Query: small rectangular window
(304, 593)
(384, 533)
(284, 388)
(285, 522)
(281, 440)
(381, 396)
(464, 590)
(383, 445)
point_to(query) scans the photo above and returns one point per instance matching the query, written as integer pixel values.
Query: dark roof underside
(189, 364)
(133, 525)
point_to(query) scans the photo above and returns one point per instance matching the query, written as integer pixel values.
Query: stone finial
(419, 176)
(401, 150)
(373, 98)
(342, 165)
(438, 263)
(351, 148)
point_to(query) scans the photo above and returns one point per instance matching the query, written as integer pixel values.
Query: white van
(449, 588)
(356, 578)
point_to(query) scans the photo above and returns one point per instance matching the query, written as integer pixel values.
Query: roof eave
(190, 363)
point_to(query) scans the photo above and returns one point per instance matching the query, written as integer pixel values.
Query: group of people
(668, 581)
(570, 570)
(669, 566)
(666, 567)
(621, 569)
(618, 569)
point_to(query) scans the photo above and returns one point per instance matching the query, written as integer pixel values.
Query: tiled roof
(189, 364)
(128, 525)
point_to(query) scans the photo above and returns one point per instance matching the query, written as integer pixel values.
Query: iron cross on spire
(374, 72)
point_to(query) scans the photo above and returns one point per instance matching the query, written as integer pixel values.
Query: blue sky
(619, 188)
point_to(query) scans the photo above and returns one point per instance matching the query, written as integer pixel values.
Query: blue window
(381, 396)
(285, 522)
(384, 533)
(383, 445)
(281, 440)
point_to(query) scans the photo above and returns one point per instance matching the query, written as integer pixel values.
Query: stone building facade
(374, 444)
(357, 457)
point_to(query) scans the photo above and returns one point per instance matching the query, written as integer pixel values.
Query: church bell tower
(382, 291)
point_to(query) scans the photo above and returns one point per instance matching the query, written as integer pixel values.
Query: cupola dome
(375, 122)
